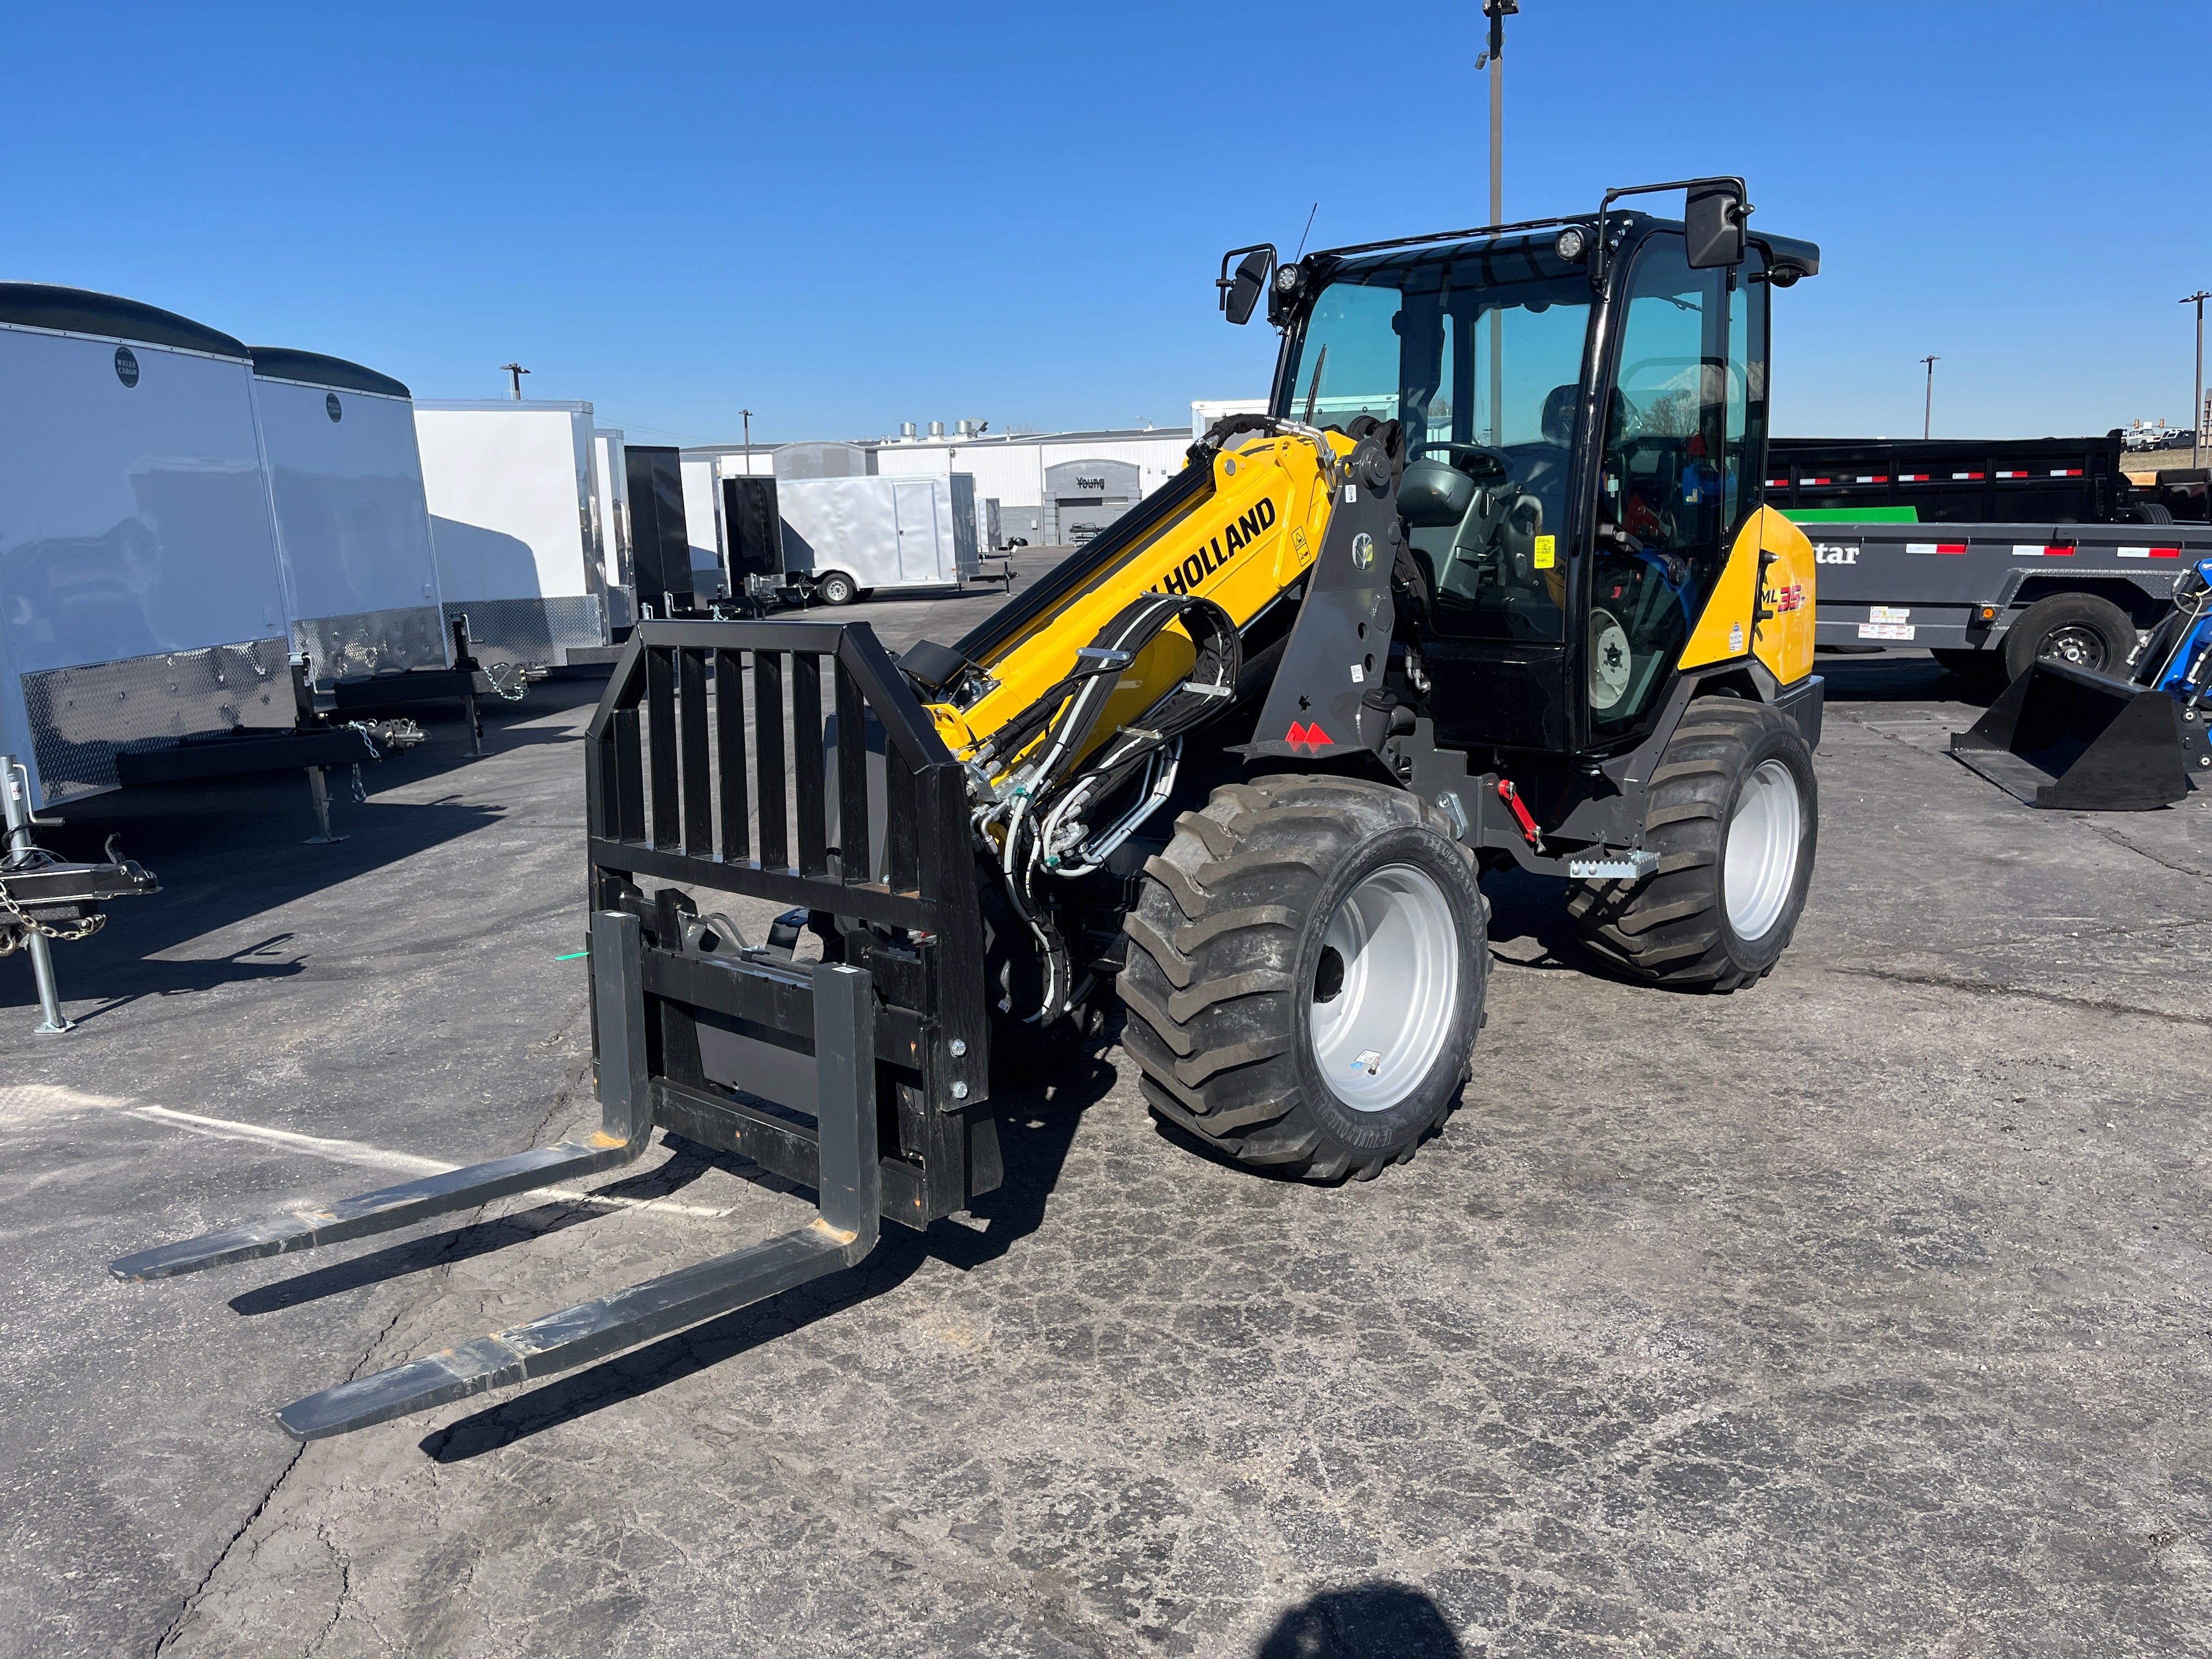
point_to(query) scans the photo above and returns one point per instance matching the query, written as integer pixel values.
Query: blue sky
(843, 217)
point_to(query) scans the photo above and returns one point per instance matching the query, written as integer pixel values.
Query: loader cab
(1580, 453)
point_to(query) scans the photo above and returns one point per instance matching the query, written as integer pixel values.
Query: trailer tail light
(2054, 551)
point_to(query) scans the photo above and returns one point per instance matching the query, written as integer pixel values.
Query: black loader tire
(1229, 958)
(1981, 667)
(837, 588)
(2097, 633)
(1672, 927)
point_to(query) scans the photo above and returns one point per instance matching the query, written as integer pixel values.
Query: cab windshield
(1478, 350)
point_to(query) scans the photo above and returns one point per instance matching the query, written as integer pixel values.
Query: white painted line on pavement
(376, 1158)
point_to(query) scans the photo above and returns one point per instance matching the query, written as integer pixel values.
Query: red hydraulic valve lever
(1512, 797)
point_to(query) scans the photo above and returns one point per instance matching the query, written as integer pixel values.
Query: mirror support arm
(1598, 253)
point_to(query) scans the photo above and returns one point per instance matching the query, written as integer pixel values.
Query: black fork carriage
(714, 765)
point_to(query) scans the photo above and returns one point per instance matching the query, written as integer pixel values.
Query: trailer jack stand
(842, 1234)
(318, 797)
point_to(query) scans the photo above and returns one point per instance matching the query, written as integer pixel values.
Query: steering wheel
(1502, 469)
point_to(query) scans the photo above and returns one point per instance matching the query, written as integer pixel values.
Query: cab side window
(1666, 487)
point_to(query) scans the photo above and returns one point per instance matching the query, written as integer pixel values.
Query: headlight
(1287, 278)
(1572, 243)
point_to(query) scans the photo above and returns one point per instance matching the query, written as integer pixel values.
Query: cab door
(1681, 436)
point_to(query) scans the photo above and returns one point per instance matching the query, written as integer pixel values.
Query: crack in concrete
(345, 1592)
(431, 1284)
(191, 1602)
(2120, 840)
(1984, 987)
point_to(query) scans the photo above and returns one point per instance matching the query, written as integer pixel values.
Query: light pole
(748, 414)
(2196, 408)
(1927, 412)
(515, 373)
(1497, 11)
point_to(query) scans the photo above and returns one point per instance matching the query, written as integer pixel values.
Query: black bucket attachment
(2064, 736)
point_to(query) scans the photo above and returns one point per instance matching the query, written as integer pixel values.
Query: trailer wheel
(2077, 627)
(1733, 813)
(1307, 973)
(837, 588)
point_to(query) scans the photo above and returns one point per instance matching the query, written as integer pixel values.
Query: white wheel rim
(1385, 988)
(1760, 864)
(1610, 659)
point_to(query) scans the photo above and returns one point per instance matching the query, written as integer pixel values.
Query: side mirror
(1241, 292)
(1714, 216)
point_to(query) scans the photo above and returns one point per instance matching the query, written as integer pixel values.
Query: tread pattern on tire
(1216, 934)
(1667, 928)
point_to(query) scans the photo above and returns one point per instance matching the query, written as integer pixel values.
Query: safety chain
(28, 924)
(492, 672)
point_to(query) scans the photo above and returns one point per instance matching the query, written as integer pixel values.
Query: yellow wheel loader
(1491, 585)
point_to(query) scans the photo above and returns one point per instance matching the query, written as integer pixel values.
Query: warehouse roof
(986, 441)
(276, 363)
(80, 311)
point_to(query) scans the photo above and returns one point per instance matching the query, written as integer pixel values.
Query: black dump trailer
(1988, 599)
(1971, 481)
(1991, 553)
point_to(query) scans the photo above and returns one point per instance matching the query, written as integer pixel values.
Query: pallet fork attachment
(841, 1235)
(861, 1077)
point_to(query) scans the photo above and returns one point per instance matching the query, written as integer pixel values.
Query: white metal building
(1049, 485)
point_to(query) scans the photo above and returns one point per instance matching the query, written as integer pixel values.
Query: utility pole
(2196, 408)
(1927, 414)
(1497, 11)
(515, 373)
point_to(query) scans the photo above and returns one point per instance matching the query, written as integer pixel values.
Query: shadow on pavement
(1378, 1619)
(686, 1165)
(235, 847)
(1901, 676)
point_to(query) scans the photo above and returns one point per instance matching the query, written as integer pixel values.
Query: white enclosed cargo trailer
(140, 598)
(518, 543)
(611, 506)
(850, 536)
(353, 527)
(702, 523)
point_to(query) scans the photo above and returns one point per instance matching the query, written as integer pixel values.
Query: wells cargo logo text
(1186, 576)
